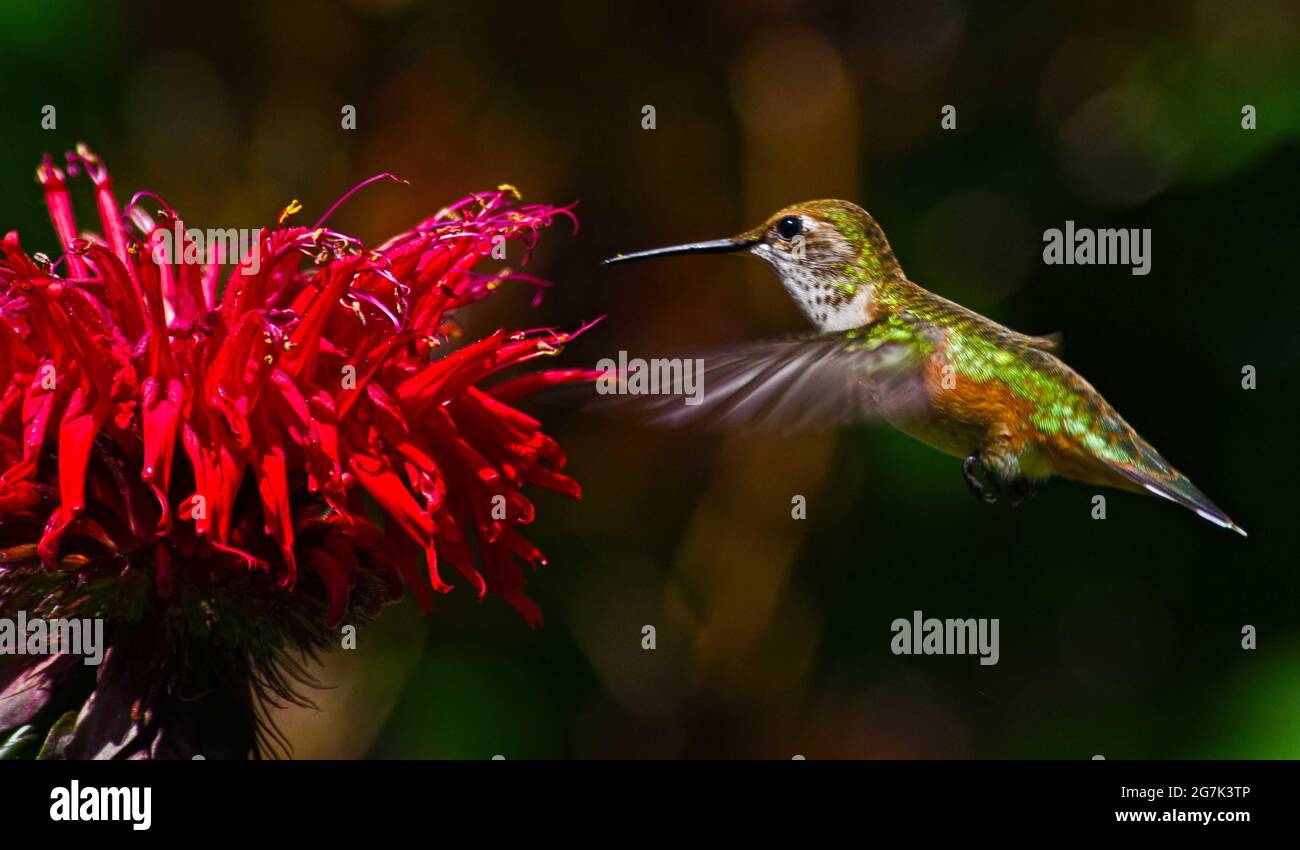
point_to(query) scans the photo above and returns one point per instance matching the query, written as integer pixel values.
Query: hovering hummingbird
(887, 348)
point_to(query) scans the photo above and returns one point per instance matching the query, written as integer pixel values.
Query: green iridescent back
(981, 350)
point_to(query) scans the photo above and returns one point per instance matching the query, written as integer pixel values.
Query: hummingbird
(886, 348)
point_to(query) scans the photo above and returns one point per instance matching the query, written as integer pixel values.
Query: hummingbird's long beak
(715, 246)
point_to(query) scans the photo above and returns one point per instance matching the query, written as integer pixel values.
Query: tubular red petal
(273, 485)
(123, 294)
(81, 422)
(162, 412)
(110, 215)
(59, 204)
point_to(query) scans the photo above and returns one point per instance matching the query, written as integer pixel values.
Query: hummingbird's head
(828, 255)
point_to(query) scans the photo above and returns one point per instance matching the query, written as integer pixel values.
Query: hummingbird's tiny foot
(984, 492)
(1020, 490)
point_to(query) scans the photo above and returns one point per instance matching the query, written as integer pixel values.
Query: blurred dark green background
(1119, 637)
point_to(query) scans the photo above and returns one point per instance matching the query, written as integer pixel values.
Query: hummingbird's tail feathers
(783, 386)
(1053, 342)
(1151, 472)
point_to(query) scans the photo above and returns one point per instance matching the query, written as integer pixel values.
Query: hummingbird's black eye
(789, 227)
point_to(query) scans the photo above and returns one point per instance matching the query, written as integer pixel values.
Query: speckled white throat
(823, 299)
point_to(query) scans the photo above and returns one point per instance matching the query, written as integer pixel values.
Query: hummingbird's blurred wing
(802, 383)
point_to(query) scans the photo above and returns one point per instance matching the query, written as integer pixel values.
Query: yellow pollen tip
(508, 187)
(295, 207)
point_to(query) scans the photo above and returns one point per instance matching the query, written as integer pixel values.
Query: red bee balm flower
(224, 475)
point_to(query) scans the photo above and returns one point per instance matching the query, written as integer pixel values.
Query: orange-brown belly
(967, 416)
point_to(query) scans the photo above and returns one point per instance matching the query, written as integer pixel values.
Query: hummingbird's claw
(984, 492)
